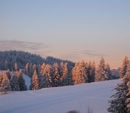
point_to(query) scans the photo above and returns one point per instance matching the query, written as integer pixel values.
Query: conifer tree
(35, 84)
(8, 74)
(92, 71)
(100, 71)
(108, 73)
(65, 78)
(46, 80)
(14, 83)
(21, 82)
(42, 68)
(128, 94)
(118, 103)
(79, 73)
(16, 66)
(124, 67)
(1, 78)
(5, 83)
(27, 69)
(56, 75)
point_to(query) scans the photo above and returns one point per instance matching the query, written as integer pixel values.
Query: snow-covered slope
(27, 81)
(60, 99)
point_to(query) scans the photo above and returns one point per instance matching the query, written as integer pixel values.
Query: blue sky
(67, 29)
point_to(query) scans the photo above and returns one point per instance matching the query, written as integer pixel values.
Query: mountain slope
(9, 58)
(60, 99)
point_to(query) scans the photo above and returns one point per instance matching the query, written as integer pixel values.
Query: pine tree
(16, 66)
(92, 71)
(124, 67)
(27, 69)
(127, 75)
(56, 75)
(1, 78)
(35, 84)
(5, 83)
(100, 71)
(118, 102)
(8, 74)
(65, 78)
(108, 73)
(79, 73)
(14, 83)
(42, 68)
(46, 80)
(21, 82)
(17, 74)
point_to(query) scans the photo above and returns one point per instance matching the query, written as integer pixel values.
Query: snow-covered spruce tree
(128, 94)
(17, 74)
(108, 73)
(92, 71)
(100, 71)
(56, 75)
(16, 66)
(46, 80)
(35, 84)
(65, 77)
(42, 68)
(124, 67)
(118, 102)
(21, 82)
(1, 78)
(5, 83)
(79, 73)
(14, 83)
(27, 69)
(30, 70)
(8, 74)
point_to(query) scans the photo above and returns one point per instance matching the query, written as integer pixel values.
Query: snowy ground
(27, 81)
(61, 99)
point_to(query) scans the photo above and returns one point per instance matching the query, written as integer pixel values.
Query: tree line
(13, 81)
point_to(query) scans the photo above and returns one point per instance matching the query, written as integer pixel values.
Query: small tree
(14, 83)
(124, 67)
(46, 80)
(108, 73)
(100, 71)
(16, 66)
(21, 81)
(35, 84)
(5, 83)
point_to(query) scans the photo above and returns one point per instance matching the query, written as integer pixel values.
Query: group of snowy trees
(84, 72)
(56, 75)
(9, 58)
(120, 102)
(103, 71)
(49, 76)
(12, 81)
(52, 72)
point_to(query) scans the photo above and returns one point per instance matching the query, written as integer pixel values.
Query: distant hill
(9, 58)
(116, 72)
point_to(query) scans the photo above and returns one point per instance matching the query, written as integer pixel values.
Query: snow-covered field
(60, 99)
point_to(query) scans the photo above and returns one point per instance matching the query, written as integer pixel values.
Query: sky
(67, 29)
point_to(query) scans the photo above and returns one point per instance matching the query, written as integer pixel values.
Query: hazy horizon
(67, 29)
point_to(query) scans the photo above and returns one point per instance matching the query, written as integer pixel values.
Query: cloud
(92, 53)
(70, 56)
(21, 45)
